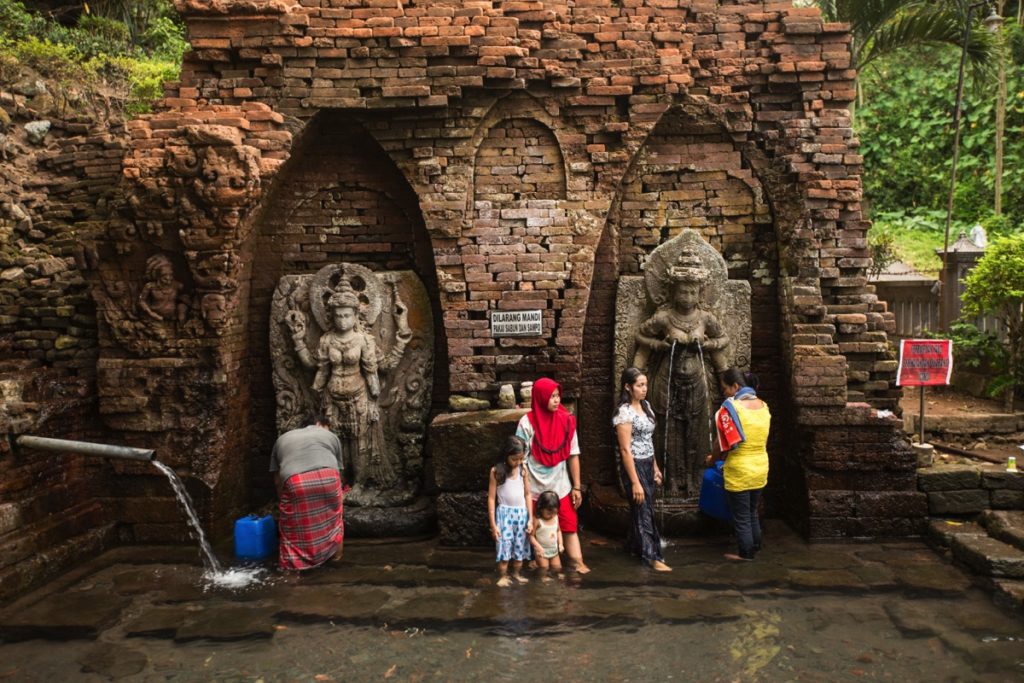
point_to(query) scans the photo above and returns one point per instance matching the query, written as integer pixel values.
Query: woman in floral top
(634, 428)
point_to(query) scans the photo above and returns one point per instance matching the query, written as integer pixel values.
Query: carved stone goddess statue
(680, 345)
(346, 302)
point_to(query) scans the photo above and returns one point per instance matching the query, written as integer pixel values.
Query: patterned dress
(643, 539)
(511, 518)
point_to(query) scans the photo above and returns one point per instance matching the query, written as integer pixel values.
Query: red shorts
(567, 518)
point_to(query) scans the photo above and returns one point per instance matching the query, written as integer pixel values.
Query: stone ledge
(988, 556)
(969, 488)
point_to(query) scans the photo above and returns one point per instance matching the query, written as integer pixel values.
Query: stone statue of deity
(370, 371)
(678, 345)
(682, 322)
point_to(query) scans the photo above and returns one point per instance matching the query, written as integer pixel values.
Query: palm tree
(882, 27)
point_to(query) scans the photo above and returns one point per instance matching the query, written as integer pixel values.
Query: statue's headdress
(688, 268)
(344, 296)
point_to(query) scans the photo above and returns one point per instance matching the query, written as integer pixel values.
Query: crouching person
(308, 466)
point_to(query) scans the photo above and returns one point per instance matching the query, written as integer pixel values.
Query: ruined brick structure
(516, 154)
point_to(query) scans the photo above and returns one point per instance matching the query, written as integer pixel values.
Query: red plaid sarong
(311, 524)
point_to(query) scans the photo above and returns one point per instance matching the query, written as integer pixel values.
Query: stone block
(948, 478)
(1007, 499)
(894, 504)
(988, 556)
(462, 519)
(64, 617)
(465, 446)
(965, 502)
(1001, 479)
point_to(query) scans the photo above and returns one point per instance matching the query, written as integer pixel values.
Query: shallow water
(418, 612)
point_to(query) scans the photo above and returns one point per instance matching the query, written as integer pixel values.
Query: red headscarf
(552, 431)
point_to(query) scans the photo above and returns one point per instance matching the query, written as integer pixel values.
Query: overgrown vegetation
(117, 52)
(996, 287)
(906, 132)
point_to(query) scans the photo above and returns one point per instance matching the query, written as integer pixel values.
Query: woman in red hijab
(552, 460)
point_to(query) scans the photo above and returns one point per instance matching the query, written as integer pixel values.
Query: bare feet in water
(504, 582)
(660, 566)
(518, 578)
(582, 568)
(736, 558)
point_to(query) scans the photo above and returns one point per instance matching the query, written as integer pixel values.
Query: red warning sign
(925, 362)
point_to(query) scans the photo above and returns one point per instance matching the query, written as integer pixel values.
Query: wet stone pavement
(419, 612)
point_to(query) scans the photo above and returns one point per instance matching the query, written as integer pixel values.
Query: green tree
(905, 131)
(996, 287)
(882, 27)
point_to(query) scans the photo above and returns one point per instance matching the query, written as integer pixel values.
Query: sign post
(924, 362)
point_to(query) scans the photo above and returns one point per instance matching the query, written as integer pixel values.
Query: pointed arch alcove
(690, 172)
(339, 197)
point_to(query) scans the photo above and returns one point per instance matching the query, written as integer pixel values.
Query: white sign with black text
(516, 324)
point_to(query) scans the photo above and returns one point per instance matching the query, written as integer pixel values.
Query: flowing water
(235, 578)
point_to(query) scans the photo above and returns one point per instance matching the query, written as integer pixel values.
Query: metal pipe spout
(101, 450)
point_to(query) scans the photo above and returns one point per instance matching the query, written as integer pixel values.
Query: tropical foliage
(884, 27)
(119, 53)
(906, 130)
(996, 287)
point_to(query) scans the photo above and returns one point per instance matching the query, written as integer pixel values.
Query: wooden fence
(915, 304)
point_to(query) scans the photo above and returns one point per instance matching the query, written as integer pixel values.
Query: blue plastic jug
(255, 537)
(713, 501)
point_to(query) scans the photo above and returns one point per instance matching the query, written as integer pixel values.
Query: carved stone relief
(189, 198)
(357, 346)
(682, 322)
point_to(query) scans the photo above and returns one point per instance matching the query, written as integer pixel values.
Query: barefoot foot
(520, 579)
(504, 582)
(582, 568)
(736, 558)
(660, 566)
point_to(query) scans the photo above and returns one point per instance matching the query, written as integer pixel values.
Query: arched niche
(690, 172)
(339, 198)
(518, 161)
(516, 244)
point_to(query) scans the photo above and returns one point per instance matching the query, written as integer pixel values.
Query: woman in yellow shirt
(743, 425)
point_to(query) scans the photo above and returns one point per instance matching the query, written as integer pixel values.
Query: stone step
(988, 556)
(1009, 593)
(41, 567)
(941, 531)
(1005, 525)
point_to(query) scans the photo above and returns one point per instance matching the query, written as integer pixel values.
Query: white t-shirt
(546, 478)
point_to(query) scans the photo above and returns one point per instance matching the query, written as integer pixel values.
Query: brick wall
(50, 193)
(634, 117)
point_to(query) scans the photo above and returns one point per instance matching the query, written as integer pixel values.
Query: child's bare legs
(517, 565)
(542, 567)
(503, 579)
(556, 565)
(574, 552)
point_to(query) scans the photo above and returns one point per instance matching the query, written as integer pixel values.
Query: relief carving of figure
(680, 344)
(355, 353)
(161, 297)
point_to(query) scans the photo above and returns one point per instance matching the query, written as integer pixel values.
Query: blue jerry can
(255, 537)
(713, 501)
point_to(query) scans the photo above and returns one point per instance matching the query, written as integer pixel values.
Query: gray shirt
(306, 449)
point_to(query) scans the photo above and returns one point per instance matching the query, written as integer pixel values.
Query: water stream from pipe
(235, 578)
(668, 408)
(707, 396)
(209, 559)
